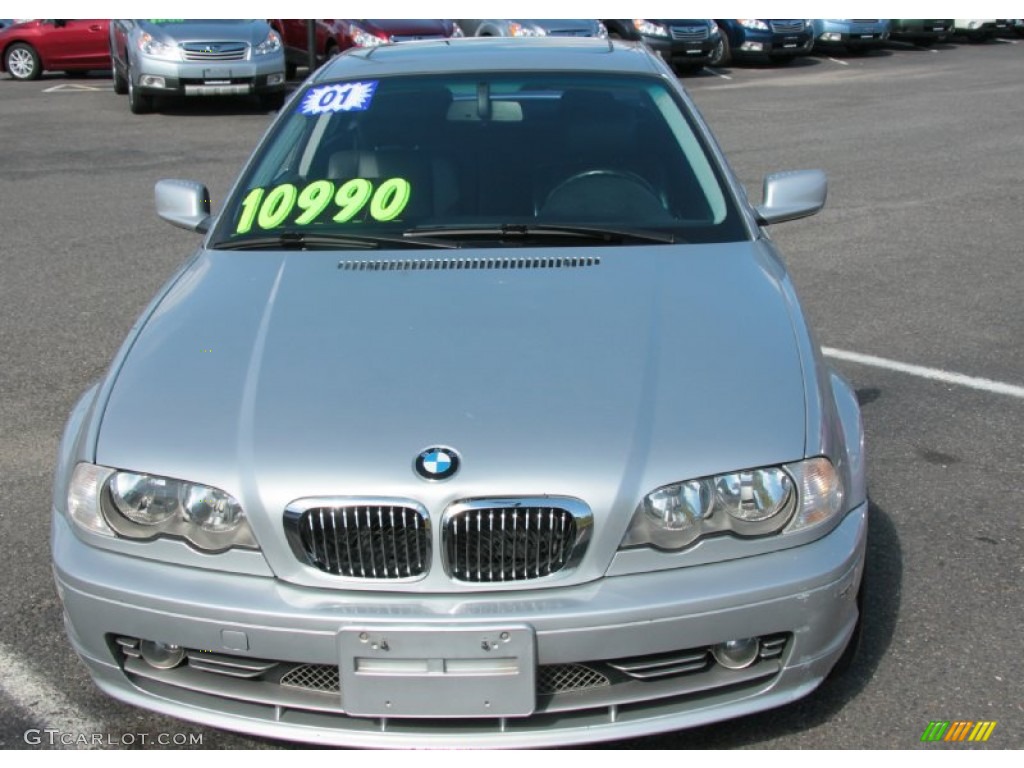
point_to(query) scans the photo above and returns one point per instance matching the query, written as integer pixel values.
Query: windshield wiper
(545, 230)
(299, 241)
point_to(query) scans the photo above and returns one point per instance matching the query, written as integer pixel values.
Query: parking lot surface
(916, 259)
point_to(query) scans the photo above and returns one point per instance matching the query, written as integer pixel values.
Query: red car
(336, 35)
(73, 45)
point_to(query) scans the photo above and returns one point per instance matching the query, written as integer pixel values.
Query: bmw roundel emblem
(437, 463)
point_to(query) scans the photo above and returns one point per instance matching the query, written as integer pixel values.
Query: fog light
(831, 37)
(752, 47)
(152, 81)
(737, 654)
(161, 655)
(275, 79)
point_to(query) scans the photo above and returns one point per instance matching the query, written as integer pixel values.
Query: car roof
(491, 54)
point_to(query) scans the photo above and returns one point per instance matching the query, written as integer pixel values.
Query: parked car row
(150, 58)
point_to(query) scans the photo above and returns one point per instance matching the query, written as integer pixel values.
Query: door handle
(95, 28)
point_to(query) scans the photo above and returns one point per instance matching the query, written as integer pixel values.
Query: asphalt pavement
(916, 259)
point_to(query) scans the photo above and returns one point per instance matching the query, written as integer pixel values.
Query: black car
(922, 32)
(775, 40)
(686, 44)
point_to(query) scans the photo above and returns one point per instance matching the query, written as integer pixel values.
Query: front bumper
(680, 52)
(922, 29)
(260, 75)
(806, 594)
(757, 44)
(864, 37)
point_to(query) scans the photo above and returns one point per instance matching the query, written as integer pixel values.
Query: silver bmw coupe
(514, 432)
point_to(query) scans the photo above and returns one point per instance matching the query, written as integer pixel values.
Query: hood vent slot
(418, 265)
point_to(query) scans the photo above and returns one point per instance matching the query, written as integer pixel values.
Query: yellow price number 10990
(270, 209)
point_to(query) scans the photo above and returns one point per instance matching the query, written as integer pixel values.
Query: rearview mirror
(184, 204)
(792, 195)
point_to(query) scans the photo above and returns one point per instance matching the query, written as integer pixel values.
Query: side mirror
(792, 195)
(184, 204)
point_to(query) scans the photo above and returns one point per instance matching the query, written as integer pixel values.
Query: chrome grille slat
(787, 26)
(214, 51)
(358, 540)
(497, 543)
(630, 666)
(129, 646)
(680, 669)
(694, 34)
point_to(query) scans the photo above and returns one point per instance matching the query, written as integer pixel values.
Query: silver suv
(196, 57)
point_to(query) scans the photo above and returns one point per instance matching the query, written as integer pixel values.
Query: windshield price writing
(271, 209)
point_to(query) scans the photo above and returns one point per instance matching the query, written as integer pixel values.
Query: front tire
(22, 61)
(272, 102)
(722, 55)
(138, 103)
(120, 84)
(683, 70)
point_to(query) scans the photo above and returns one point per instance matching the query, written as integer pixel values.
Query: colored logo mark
(958, 730)
(437, 463)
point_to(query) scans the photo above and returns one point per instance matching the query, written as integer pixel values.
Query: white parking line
(839, 61)
(974, 382)
(44, 705)
(77, 88)
(716, 73)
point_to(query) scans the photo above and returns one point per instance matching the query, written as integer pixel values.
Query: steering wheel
(605, 193)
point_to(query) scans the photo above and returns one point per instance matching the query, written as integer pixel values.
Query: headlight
(713, 29)
(753, 24)
(150, 46)
(457, 30)
(144, 499)
(602, 30)
(140, 506)
(649, 28)
(521, 30)
(363, 39)
(271, 45)
(756, 502)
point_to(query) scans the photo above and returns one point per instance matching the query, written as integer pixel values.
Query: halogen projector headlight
(143, 499)
(139, 506)
(754, 502)
(212, 510)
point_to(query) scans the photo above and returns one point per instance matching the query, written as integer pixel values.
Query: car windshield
(482, 158)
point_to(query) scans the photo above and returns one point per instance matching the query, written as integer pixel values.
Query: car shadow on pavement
(883, 578)
(211, 107)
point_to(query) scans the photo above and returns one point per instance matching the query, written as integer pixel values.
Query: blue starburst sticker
(338, 97)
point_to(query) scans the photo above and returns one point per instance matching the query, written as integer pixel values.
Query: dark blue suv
(686, 44)
(778, 40)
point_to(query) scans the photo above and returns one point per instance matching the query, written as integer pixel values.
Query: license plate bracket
(217, 73)
(428, 671)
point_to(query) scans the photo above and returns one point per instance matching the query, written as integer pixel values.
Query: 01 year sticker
(338, 97)
(271, 208)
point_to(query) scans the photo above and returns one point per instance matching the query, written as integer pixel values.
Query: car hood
(252, 31)
(280, 375)
(562, 25)
(407, 26)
